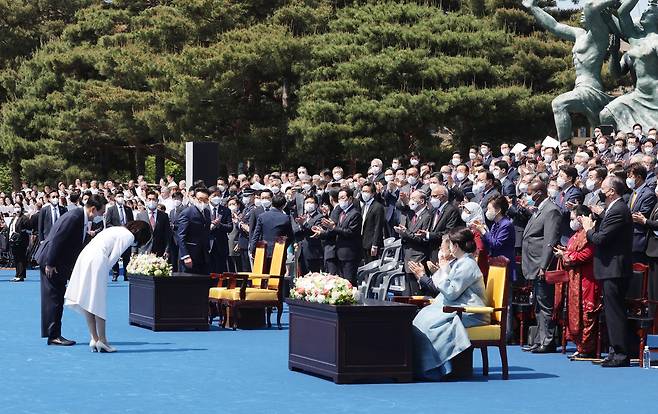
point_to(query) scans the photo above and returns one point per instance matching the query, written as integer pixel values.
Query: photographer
(19, 231)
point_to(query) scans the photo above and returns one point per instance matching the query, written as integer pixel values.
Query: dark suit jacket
(573, 195)
(194, 236)
(173, 221)
(311, 248)
(46, 220)
(346, 234)
(541, 235)
(373, 226)
(23, 228)
(414, 247)
(441, 224)
(161, 233)
(220, 232)
(270, 226)
(508, 189)
(483, 199)
(643, 203)
(329, 241)
(613, 243)
(113, 218)
(652, 238)
(65, 242)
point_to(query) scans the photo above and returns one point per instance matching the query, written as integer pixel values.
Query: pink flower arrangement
(324, 288)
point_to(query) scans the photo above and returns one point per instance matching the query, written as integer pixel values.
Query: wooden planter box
(349, 343)
(175, 303)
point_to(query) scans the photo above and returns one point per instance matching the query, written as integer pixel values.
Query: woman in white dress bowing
(87, 290)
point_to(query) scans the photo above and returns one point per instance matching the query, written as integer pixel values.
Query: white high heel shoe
(92, 346)
(104, 348)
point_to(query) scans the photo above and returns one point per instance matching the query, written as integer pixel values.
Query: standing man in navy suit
(57, 258)
(194, 234)
(346, 232)
(49, 214)
(271, 225)
(642, 201)
(221, 225)
(568, 198)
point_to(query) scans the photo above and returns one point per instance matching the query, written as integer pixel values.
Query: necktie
(437, 216)
(562, 197)
(122, 215)
(152, 219)
(342, 217)
(633, 199)
(413, 219)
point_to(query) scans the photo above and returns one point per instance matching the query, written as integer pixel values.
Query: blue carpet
(247, 372)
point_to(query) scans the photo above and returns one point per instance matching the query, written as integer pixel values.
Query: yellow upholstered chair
(266, 289)
(494, 333)
(214, 293)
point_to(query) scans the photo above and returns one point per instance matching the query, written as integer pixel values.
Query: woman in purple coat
(499, 239)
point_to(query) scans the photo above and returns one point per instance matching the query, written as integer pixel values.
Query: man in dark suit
(119, 215)
(484, 189)
(329, 242)
(445, 217)
(159, 221)
(461, 187)
(263, 203)
(415, 245)
(568, 197)
(346, 233)
(49, 214)
(220, 226)
(173, 221)
(194, 234)
(374, 222)
(376, 167)
(500, 172)
(311, 249)
(642, 201)
(248, 196)
(612, 237)
(541, 235)
(271, 225)
(57, 257)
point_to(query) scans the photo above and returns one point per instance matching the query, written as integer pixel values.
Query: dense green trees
(91, 88)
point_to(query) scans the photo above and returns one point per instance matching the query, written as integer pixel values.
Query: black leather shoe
(544, 349)
(530, 348)
(616, 363)
(17, 279)
(115, 278)
(61, 341)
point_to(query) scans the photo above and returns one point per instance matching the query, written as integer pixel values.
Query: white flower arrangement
(149, 265)
(324, 288)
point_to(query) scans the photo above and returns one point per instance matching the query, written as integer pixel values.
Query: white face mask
(548, 158)
(484, 151)
(266, 203)
(275, 190)
(478, 187)
(395, 166)
(575, 225)
(435, 202)
(618, 150)
(590, 184)
(221, 188)
(366, 196)
(98, 219)
(523, 188)
(389, 178)
(152, 205)
(472, 156)
(215, 201)
(306, 187)
(54, 201)
(631, 147)
(413, 162)
(630, 183)
(553, 192)
(580, 168)
(561, 182)
(413, 205)
(497, 174)
(344, 205)
(466, 217)
(233, 208)
(309, 207)
(119, 201)
(600, 147)
(375, 170)
(246, 200)
(490, 215)
(460, 176)
(456, 161)
(412, 180)
(258, 202)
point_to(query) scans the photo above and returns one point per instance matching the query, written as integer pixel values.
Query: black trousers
(20, 259)
(347, 270)
(173, 256)
(244, 259)
(235, 264)
(614, 307)
(218, 260)
(52, 304)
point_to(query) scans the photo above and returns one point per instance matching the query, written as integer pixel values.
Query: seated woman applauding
(439, 336)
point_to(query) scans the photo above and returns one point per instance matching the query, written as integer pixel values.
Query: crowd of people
(590, 208)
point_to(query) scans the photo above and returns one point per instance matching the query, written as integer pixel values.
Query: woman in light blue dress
(440, 336)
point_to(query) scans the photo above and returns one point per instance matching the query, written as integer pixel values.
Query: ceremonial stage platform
(246, 371)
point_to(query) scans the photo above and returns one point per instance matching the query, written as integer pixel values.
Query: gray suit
(541, 234)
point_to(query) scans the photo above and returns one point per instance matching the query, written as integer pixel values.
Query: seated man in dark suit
(194, 234)
(56, 257)
(119, 215)
(271, 225)
(159, 221)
